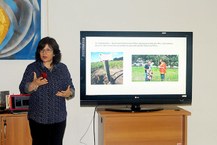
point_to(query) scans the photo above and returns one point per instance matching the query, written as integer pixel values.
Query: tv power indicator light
(136, 97)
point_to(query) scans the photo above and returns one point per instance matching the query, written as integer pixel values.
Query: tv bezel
(142, 99)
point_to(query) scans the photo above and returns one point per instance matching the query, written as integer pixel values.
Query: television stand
(166, 127)
(135, 108)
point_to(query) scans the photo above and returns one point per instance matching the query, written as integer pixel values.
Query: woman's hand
(37, 82)
(66, 94)
(40, 80)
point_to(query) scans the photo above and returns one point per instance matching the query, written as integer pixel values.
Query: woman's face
(46, 54)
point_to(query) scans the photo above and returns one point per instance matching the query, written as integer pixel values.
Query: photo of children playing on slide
(155, 68)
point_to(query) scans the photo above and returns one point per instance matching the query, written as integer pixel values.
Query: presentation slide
(135, 65)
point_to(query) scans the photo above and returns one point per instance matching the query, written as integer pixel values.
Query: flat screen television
(135, 68)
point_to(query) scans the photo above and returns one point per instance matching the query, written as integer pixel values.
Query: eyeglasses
(46, 50)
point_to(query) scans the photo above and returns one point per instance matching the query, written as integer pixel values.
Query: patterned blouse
(44, 106)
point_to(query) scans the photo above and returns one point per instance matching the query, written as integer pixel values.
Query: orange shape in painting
(4, 24)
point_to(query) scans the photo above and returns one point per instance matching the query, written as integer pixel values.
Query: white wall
(66, 18)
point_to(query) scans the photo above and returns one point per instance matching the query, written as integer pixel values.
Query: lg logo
(136, 97)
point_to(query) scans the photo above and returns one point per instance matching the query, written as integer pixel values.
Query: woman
(50, 84)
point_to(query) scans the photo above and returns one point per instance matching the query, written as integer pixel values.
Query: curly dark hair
(52, 44)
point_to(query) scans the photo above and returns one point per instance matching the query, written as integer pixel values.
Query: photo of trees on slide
(106, 68)
(155, 68)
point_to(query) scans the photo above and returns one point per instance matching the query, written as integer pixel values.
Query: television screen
(127, 67)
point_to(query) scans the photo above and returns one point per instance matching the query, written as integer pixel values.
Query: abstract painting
(20, 28)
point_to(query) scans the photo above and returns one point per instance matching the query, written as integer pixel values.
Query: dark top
(44, 106)
(147, 66)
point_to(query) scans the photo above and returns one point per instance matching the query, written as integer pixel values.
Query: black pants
(47, 134)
